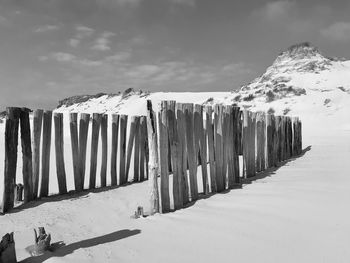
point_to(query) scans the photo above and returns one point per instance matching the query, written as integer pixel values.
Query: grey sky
(51, 49)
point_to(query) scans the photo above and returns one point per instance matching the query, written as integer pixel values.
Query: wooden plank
(153, 165)
(104, 127)
(175, 154)
(245, 143)
(46, 148)
(96, 122)
(259, 144)
(137, 150)
(11, 144)
(83, 135)
(73, 117)
(115, 129)
(59, 147)
(191, 154)
(182, 159)
(229, 138)
(218, 138)
(211, 148)
(122, 149)
(163, 158)
(237, 143)
(143, 141)
(278, 135)
(37, 126)
(252, 143)
(27, 166)
(130, 144)
(202, 145)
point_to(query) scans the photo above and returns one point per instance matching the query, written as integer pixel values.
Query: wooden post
(175, 154)
(83, 134)
(199, 132)
(37, 125)
(192, 157)
(96, 122)
(279, 138)
(181, 131)
(59, 146)
(245, 144)
(27, 168)
(11, 143)
(153, 165)
(218, 138)
(73, 117)
(115, 128)
(252, 143)
(236, 144)
(104, 127)
(130, 144)
(19, 193)
(211, 148)
(46, 148)
(122, 150)
(163, 158)
(229, 138)
(137, 150)
(7, 249)
(143, 141)
(259, 144)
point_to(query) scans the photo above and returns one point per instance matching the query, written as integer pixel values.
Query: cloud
(191, 3)
(118, 57)
(236, 69)
(3, 19)
(73, 42)
(62, 57)
(275, 10)
(339, 31)
(83, 31)
(118, 3)
(46, 28)
(103, 42)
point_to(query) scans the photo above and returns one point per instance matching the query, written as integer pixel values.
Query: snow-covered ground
(296, 213)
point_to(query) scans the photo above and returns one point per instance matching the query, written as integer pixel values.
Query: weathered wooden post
(37, 126)
(245, 143)
(115, 128)
(46, 148)
(137, 150)
(153, 165)
(143, 141)
(122, 150)
(218, 142)
(199, 132)
(73, 124)
(192, 157)
(7, 249)
(96, 122)
(270, 140)
(27, 168)
(229, 146)
(59, 146)
(211, 147)
(19, 192)
(163, 158)
(130, 143)
(83, 135)
(236, 144)
(181, 130)
(278, 133)
(104, 127)
(175, 154)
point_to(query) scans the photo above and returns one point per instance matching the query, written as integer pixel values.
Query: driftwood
(7, 249)
(42, 241)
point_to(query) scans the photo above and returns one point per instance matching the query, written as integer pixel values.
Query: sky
(53, 49)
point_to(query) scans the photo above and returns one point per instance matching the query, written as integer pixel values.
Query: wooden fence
(213, 138)
(36, 159)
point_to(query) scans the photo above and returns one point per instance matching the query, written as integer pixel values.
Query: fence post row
(189, 135)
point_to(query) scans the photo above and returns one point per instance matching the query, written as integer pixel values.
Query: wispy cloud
(3, 19)
(118, 3)
(83, 31)
(191, 3)
(58, 56)
(275, 10)
(103, 42)
(73, 42)
(339, 31)
(46, 28)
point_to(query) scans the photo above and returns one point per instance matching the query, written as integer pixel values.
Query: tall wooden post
(46, 148)
(73, 117)
(104, 127)
(115, 128)
(27, 168)
(130, 144)
(59, 147)
(153, 165)
(211, 147)
(137, 150)
(96, 122)
(37, 126)
(11, 143)
(83, 134)
(122, 150)
(143, 141)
